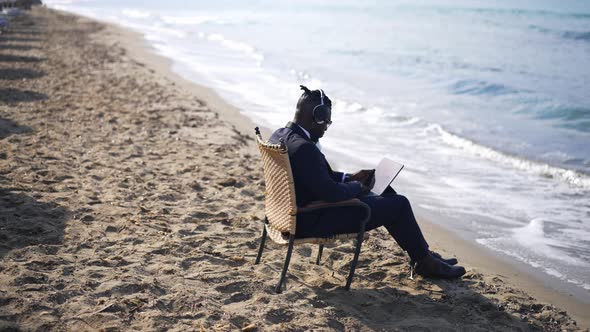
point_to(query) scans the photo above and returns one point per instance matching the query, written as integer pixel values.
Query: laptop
(385, 173)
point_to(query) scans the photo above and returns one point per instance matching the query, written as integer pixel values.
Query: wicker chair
(281, 209)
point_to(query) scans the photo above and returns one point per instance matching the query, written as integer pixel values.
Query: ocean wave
(566, 113)
(181, 20)
(526, 12)
(539, 28)
(499, 245)
(580, 126)
(62, 2)
(204, 19)
(577, 35)
(479, 88)
(236, 45)
(533, 236)
(188, 20)
(568, 176)
(348, 107)
(376, 115)
(572, 35)
(402, 120)
(573, 117)
(136, 13)
(300, 75)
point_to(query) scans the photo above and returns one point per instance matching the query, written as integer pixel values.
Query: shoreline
(441, 238)
(475, 258)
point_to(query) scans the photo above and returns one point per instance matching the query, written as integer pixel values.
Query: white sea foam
(62, 2)
(501, 245)
(569, 176)
(135, 13)
(236, 46)
(533, 236)
(189, 20)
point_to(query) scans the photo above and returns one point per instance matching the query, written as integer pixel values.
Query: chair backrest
(281, 205)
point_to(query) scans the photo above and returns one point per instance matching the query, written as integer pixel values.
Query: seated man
(316, 181)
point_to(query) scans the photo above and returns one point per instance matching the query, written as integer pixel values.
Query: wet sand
(131, 200)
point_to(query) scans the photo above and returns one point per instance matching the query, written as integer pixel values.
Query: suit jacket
(314, 178)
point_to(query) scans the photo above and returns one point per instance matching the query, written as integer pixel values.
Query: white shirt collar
(305, 131)
(309, 136)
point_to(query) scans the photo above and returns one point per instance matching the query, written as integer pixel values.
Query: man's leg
(327, 222)
(391, 210)
(451, 261)
(394, 212)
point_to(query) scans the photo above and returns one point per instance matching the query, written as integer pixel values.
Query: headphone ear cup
(319, 115)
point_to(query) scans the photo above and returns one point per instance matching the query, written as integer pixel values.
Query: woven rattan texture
(281, 206)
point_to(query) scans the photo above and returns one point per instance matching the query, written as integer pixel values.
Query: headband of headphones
(320, 110)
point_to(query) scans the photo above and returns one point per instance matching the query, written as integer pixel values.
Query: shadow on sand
(25, 221)
(443, 305)
(389, 309)
(18, 39)
(8, 127)
(18, 74)
(25, 31)
(18, 96)
(17, 47)
(19, 58)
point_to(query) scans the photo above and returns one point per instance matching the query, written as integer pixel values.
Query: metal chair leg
(321, 249)
(261, 248)
(359, 242)
(287, 260)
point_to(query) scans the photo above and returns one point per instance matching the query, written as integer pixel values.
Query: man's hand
(365, 189)
(366, 177)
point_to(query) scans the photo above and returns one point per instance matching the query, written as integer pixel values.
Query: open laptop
(385, 173)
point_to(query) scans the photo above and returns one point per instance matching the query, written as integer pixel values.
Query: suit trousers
(390, 210)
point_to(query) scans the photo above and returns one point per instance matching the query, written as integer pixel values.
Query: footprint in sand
(238, 297)
(304, 251)
(377, 276)
(49, 264)
(109, 289)
(247, 193)
(202, 228)
(185, 233)
(30, 278)
(63, 297)
(233, 287)
(243, 206)
(239, 291)
(280, 315)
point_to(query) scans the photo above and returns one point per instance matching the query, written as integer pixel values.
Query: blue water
(487, 104)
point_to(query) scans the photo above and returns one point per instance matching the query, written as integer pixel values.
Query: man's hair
(310, 99)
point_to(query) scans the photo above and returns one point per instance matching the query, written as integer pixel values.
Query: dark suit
(316, 181)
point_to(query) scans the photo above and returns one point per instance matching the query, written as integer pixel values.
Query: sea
(486, 103)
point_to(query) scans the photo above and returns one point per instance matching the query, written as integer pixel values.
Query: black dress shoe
(450, 261)
(431, 267)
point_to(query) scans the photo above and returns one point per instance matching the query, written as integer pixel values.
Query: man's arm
(339, 176)
(311, 171)
(365, 176)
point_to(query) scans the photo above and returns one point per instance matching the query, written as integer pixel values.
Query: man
(316, 181)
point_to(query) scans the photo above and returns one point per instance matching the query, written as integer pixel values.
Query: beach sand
(131, 200)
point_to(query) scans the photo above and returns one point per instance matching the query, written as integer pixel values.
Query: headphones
(320, 112)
